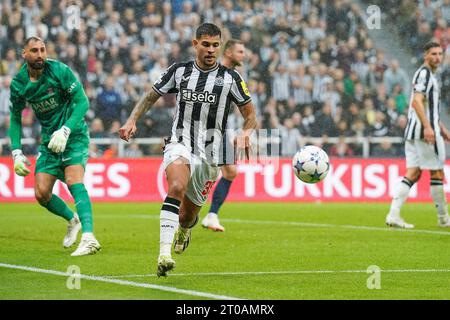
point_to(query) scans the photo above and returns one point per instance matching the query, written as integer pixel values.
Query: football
(311, 164)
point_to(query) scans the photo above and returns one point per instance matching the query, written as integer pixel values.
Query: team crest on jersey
(219, 82)
(49, 90)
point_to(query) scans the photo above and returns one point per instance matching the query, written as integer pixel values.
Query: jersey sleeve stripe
(422, 80)
(157, 90)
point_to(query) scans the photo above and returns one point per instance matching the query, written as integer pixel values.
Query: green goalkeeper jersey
(57, 98)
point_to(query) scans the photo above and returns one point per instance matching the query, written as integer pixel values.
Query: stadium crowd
(311, 67)
(418, 22)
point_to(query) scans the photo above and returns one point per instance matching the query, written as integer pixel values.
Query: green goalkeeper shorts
(76, 152)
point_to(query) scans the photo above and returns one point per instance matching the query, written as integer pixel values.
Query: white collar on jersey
(203, 70)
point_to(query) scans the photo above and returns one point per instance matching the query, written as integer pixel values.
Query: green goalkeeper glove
(58, 140)
(20, 163)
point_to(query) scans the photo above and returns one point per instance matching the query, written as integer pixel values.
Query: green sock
(84, 206)
(57, 206)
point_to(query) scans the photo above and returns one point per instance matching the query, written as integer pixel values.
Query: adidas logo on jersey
(193, 96)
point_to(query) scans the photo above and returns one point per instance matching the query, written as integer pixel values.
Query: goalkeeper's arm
(15, 129)
(15, 132)
(79, 106)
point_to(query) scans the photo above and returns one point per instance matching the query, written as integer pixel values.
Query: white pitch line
(344, 226)
(281, 273)
(121, 282)
(317, 225)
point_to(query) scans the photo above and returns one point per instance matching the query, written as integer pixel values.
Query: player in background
(233, 56)
(424, 141)
(58, 100)
(205, 90)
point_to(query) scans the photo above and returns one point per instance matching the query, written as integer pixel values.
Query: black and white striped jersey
(204, 99)
(424, 81)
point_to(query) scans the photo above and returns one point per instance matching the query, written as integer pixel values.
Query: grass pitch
(268, 251)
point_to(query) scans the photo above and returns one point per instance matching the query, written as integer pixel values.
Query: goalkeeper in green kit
(58, 100)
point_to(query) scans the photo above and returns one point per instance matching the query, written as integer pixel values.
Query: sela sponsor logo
(194, 96)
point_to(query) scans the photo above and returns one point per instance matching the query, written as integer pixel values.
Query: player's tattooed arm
(144, 104)
(128, 130)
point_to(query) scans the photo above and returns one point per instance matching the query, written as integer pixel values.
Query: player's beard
(37, 65)
(236, 63)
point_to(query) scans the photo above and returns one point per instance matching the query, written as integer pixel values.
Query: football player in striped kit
(205, 90)
(424, 141)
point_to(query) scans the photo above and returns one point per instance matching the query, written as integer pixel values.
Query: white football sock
(400, 196)
(168, 225)
(438, 195)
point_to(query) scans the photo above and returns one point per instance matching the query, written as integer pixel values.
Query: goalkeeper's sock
(168, 224)
(84, 206)
(57, 206)
(438, 195)
(220, 194)
(400, 196)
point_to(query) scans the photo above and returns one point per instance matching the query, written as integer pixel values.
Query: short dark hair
(208, 29)
(32, 38)
(231, 43)
(431, 44)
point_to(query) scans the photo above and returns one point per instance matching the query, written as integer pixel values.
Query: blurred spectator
(290, 137)
(111, 152)
(398, 130)
(378, 128)
(97, 130)
(4, 98)
(157, 121)
(385, 150)
(341, 149)
(10, 65)
(94, 152)
(395, 75)
(133, 151)
(445, 9)
(343, 130)
(280, 83)
(114, 129)
(109, 103)
(324, 124)
(401, 102)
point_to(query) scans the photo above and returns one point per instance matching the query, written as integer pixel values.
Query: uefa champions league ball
(311, 164)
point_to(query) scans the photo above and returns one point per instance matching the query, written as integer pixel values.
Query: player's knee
(230, 173)
(439, 175)
(417, 176)
(42, 196)
(177, 189)
(413, 176)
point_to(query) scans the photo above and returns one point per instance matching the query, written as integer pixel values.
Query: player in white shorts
(205, 90)
(425, 138)
(202, 174)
